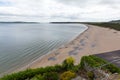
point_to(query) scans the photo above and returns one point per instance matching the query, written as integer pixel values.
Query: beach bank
(93, 41)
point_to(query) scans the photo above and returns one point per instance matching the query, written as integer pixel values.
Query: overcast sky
(59, 10)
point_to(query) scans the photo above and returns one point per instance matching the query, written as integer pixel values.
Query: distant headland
(21, 22)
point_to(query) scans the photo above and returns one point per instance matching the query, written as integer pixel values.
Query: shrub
(20, 75)
(70, 61)
(112, 68)
(82, 62)
(68, 64)
(75, 68)
(30, 73)
(51, 76)
(68, 75)
(96, 62)
(58, 68)
(90, 75)
(89, 61)
(38, 77)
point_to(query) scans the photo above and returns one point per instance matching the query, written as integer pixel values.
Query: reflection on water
(21, 44)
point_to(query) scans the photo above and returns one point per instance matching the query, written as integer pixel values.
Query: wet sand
(94, 40)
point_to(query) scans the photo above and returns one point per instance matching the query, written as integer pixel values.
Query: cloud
(59, 10)
(79, 3)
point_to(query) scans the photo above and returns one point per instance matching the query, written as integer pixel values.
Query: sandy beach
(94, 40)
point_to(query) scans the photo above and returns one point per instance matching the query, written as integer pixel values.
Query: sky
(59, 10)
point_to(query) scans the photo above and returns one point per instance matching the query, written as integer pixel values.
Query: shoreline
(93, 40)
(28, 66)
(62, 46)
(87, 43)
(50, 52)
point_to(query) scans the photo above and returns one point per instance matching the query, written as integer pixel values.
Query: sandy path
(93, 41)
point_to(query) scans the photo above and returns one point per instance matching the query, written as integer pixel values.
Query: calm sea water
(21, 44)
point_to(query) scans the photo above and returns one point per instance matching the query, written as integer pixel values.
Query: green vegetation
(68, 75)
(68, 64)
(90, 75)
(51, 76)
(110, 25)
(30, 73)
(96, 62)
(38, 77)
(66, 71)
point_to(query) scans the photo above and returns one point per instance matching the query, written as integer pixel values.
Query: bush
(112, 68)
(30, 73)
(68, 75)
(75, 68)
(89, 61)
(96, 62)
(51, 76)
(38, 77)
(68, 64)
(58, 68)
(90, 75)
(20, 75)
(82, 62)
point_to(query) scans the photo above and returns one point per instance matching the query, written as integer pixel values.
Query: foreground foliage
(90, 75)
(96, 62)
(66, 71)
(68, 75)
(51, 76)
(68, 64)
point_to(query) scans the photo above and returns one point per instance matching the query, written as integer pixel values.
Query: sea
(23, 43)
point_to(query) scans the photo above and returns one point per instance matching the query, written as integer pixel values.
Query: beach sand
(94, 40)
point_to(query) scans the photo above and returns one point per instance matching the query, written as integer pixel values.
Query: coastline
(93, 40)
(87, 43)
(51, 52)
(56, 49)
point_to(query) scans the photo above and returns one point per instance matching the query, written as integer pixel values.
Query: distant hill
(112, 25)
(115, 21)
(20, 22)
(65, 22)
